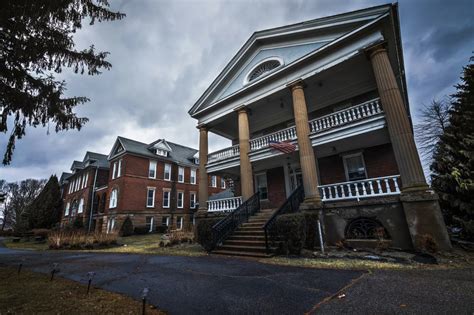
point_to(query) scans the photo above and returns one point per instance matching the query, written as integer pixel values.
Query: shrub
(291, 229)
(67, 239)
(312, 236)
(180, 236)
(162, 229)
(127, 227)
(6, 233)
(78, 224)
(141, 230)
(43, 233)
(203, 232)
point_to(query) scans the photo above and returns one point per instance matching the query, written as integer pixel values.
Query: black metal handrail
(222, 229)
(291, 205)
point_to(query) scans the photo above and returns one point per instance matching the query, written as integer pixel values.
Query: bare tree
(434, 118)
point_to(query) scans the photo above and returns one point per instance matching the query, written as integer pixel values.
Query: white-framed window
(166, 198)
(193, 176)
(222, 183)
(114, 169)
(192, 200)
(354, 166)
(70, 187)
(161, 152)
(179, 223)
(113, 198)
(165, 221)
(214, 181)
(167, 174)
(75, 185)
(80, 208)
(110, 225)
(149, 224)
(180, 199)
(150, 197)
(181, 174)
(87, 180)
(119, 168)
(152, 170)
(66, 211)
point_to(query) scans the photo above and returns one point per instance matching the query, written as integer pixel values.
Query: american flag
(283, 146)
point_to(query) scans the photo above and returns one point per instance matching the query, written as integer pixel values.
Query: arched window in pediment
(263, 68)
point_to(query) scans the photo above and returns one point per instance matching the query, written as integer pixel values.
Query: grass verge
(34, 293)
(22, 244)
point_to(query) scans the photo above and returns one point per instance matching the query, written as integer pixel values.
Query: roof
(177, 153)
(64, 177)
(356, 21)
(221, 195)
(91, 159)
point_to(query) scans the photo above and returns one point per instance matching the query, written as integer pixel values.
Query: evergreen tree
(36, 43)
(45, 211)
(127, 227)
(453, 166)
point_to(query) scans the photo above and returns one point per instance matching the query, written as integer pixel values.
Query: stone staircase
(249, 239)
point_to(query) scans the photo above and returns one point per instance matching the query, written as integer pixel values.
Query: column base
(311, 204)
(422, 187)
(424, 219)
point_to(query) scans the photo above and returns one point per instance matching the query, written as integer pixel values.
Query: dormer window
(196, 161)
(161, 152)
(263, 68)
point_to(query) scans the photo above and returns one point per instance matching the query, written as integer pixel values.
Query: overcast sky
(165, 54)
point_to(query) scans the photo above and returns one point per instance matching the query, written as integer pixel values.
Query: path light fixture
(54, 270)
(90, 276)
(144, 296)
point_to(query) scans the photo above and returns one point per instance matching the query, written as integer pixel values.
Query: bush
(43, 233)
(203, 232)
(78, 224)
(180, 236)
(141, 230)
(161, 229)
(312, 236)
(291, 229)
(127, 227)
(6, 233)
(66, 239)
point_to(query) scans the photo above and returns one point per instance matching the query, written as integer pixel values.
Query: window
(114, 169)
(181, 174)
(119, 168)
(193, 176)
(150, 198)
(213, 181)
(149, 224)
(192, 203)
(196, 161)
(113, 199)
(166, 199)
(165, 221)
(70, 188)
(110, 225)
(66, 211)
(179, 223)
(261, 183)
(167, 175)
(87, 180)
(263, 69)
(80, 208)
(222, 183)
(180, 199)
(152, 170)
(354, 166)
(161, 152)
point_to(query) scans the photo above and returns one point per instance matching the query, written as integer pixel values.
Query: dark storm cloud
(165, 54)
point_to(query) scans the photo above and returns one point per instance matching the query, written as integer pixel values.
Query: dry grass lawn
(34, 293)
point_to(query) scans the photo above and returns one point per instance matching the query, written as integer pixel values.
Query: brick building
(78, 187)
(154, 184)
(321, 105)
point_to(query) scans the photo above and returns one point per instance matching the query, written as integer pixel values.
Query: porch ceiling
(341, 82)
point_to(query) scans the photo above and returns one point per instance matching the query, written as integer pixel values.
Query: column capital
(242, 108)
(297, 84)
(376, 49)
(202, 127)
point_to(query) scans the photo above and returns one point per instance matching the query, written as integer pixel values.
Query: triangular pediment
(284, 47)
(117, 149)
(162, 145)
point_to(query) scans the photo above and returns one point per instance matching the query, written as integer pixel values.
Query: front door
(296, 178)
(261, 185)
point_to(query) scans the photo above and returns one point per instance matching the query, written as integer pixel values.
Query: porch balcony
(340, 124)
(360, 189)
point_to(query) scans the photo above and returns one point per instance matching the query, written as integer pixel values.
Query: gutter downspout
(92, 200)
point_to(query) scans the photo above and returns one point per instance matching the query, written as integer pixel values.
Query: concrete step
(250, 228)
(260, 232)
(238, 248)
(253, 224)
(246, 238)
(242, 253)
(246, 243)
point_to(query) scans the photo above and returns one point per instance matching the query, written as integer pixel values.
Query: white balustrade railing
(371, 187)
(317, 125)
(279, 136)
(224, 153)
(225, 204)
(344, 116)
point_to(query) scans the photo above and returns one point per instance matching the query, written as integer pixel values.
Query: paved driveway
(196, 285)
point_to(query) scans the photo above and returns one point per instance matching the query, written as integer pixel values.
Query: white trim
(113, 198)
(119, 168)
(80, 208)
(192, 199)
(179, 219)
(151, 223)
(66, 211)
(114, 169)
(281, 64)
(214, 181)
